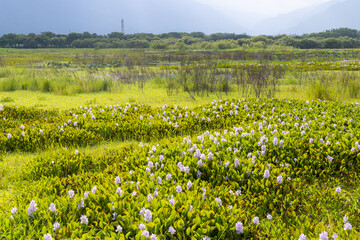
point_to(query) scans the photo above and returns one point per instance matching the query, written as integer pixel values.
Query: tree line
(331, 39)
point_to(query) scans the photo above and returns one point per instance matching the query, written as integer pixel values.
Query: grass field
(162, 145)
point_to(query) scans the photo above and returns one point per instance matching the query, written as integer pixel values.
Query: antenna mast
(122, 26)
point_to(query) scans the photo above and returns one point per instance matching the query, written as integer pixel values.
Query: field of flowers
(234, 169)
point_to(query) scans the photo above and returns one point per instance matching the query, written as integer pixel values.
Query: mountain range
(160, 16)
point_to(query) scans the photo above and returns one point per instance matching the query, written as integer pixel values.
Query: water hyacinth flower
(267, 173)
(178, 189)
(119, 191)
(206, 238)
(86, 194)
(141, 226)
(279, 179)
(76, 152)
(118, 229)
(47, 236)
(189, 184)
(323, 236)
(334, 236)
(71, 193)
(239, 227)
(32, 208)
(84, 219)
(256, 220)
(172, 201)
(93, 190)
(347, 226)
(302, 237)
(172, 230)
(345, 219)
(52, 207)
(149, 197)
(153, 237)
(22, 127)
(148, 215)
(23, 134)
(269, 216)
(9, 136)
(56, 226)
(218, 200)
(117, 180)
(145, 233)
(236, 162)
(331, 159)
(81, 204)
(338, 190)
(14, 210)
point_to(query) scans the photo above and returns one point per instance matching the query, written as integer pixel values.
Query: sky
(264, 8)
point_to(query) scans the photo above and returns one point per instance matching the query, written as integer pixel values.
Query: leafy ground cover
(234, 169)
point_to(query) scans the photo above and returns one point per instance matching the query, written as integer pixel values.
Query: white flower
(86, 194)
(239, 227)
(47, 236)
(56, 226)
(117, 180)
(338, 190)
(159, 180)
(14, 210)
(118, 229)
(32, 208)
(347, 226)
(279, 179)
(41, 132)
(141, 226)
(334, 236)
(76, 152)
(256, 220)
(323, 236)
(22, 127)
(84, 219)
(93, 190)
(269, 216)
(23, 134)
(168, 177)
(148, 215)
(346, 219)
(267, 173)
(52, 207)
(302, 237)
(172, 230)
(9, 136)
(178, 189)
(206, 238)
(71, 193)
(153, 237)
(145, 233)
(238, 192)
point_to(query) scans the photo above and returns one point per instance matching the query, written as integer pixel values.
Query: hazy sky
(262, 7)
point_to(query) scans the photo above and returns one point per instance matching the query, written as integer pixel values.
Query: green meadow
(161, 144)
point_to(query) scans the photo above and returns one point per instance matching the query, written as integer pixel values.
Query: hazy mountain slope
(283, 22)
(343, 14)
(156, 16)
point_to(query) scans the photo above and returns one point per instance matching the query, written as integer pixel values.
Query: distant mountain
(283, 23)
(153, 16)
(340, 14)
(316, 18)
